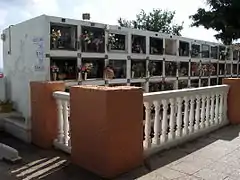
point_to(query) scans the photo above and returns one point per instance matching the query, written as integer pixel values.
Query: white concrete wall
(2, 89)
(19, 65)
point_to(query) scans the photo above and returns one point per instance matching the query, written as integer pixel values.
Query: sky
(104, 11)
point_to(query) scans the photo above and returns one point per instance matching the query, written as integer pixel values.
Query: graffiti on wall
(39, 44)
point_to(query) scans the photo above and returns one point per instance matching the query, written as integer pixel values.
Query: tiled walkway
(213, 157)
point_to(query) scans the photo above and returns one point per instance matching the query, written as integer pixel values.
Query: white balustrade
(181, 115)
(62, 141)
(171, 117)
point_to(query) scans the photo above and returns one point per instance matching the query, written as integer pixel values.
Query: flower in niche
(54, 68)
(194, 67)
(204, 68)
(111, 39)
(87, 37)
(151, 67)
(109, 72)
(87, 67)
(212, 69)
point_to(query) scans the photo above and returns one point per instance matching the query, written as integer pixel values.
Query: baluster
(164, 121)
(186, 104)
(208, 110)
(203, 110)
(225, 107)
(179, 117)
(60, 121)
(69, 132)
(216, 117)
(197, 115)
(191, 114)
(69, 141)
(212, 110)
(156, 139)
(221, 96)
(172, 119)
(147, 129)
(65, 122)
(68, 108)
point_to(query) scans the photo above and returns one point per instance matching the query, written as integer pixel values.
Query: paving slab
(213, 156)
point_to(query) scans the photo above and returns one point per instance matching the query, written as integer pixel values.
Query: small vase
(54, 76)
(133, 74)
(54, 44)
(85, 46)
(79, 76)
(85, 76)
(97, 47)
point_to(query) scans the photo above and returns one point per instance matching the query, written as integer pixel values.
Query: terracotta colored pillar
(106, 128)
(44, 112)
(233, 100)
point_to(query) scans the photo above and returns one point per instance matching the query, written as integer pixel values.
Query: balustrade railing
(62, 141)
(172, 117)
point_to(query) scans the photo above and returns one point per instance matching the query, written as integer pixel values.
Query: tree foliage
(158, 20)
(222, 16)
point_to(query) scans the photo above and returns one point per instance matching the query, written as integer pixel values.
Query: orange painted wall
(106, 128)
(44, 112)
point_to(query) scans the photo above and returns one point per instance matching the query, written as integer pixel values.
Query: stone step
(6, 115)
(16, 126)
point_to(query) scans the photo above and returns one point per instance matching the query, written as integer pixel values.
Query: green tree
(222, 16)
(158, 21)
